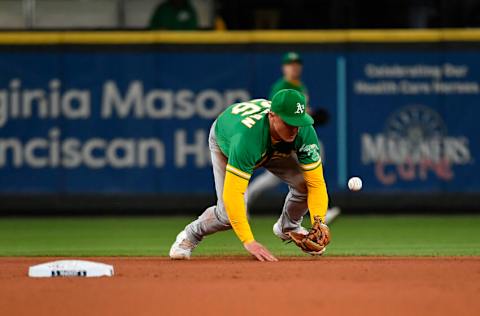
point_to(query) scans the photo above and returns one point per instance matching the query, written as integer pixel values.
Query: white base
(70, 268)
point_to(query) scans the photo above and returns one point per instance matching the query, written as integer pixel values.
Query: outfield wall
(109, 115)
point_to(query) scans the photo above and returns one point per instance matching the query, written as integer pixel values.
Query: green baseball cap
(291, 57)
(290, 105)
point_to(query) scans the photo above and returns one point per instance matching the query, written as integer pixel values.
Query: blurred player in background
(292, 67)
(278, 136)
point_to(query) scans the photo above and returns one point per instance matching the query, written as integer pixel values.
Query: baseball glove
(317, 239)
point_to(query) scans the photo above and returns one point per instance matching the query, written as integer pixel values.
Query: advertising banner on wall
(120, 122)
(138, 121)
(413, 121)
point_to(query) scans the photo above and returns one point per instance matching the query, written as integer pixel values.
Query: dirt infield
(240, 286)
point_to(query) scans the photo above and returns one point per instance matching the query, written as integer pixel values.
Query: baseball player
(292, 68)
(278, 136)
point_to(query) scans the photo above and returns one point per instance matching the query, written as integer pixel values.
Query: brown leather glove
(317, 239)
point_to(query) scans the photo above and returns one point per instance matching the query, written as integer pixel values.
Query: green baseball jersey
(284, 84)
(243, 135)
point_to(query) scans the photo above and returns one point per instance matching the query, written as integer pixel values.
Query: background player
(292, 68)
(278, 136)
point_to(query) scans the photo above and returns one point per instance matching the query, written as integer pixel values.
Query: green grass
(152, 236)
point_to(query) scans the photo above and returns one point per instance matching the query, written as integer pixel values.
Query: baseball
(355, 184)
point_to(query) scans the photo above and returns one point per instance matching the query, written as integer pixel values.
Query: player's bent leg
(214, 218)
(295, 206)
(188, 239)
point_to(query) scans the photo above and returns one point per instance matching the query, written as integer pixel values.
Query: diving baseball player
(278, 136)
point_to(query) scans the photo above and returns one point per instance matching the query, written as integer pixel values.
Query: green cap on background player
(290, 105)
(291, 57)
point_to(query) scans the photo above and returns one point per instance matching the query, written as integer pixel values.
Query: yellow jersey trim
(310, 166)
(239, 172)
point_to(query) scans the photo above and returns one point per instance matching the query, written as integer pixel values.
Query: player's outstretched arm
(233, 198)
(317, 199)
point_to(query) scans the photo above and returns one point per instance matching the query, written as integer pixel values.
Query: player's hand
(259, 251)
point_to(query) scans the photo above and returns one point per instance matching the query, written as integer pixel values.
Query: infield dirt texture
(441, 276)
